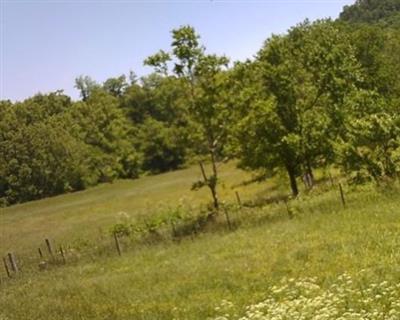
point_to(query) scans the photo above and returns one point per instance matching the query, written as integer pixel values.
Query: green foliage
(345, 299)
(203, 78)
(40, 155)
(303, 77)
(187, 50)
(157, 110)
(263, 259)
(162, 148)
(165, 223)
(377, 51)
(371, 11)
(115, 86)
(136, 103)
(51, 145)
(85, 85)
(121, 229)
(370, 148)
(324, 93)
(159, 62)
(104, 128)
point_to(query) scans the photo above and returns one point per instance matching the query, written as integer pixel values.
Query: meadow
(312, 259)
(105, 213)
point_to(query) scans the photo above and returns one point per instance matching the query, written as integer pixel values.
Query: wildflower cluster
(304, 299)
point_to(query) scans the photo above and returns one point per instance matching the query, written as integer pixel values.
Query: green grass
(82, 215)
(190, 278)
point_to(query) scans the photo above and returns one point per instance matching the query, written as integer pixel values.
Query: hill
(372, 11)
(318, 260)
(87, 214)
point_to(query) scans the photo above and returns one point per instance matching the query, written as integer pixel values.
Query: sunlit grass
(190, 279)
(86, 214)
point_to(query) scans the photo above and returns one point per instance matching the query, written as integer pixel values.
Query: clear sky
(46, 44)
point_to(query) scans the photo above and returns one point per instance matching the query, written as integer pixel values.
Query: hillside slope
(327, 260)
(87, 214)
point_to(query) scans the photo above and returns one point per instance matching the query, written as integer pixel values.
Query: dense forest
(325, 93)
(372, 11)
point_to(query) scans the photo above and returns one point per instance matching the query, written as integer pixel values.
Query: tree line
(324, 93)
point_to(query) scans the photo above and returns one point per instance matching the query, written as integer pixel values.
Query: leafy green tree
(85, 85)
(159, 61)
(40, 156)
(209, 112)
(304, 78)
(203, 77)
(161, 147)
(102, 125)
(156, 96)
(50, 145)
(370, 11)
(135, 103)
(115, 86)
(159, 102)
(377, 51)
(370, 148)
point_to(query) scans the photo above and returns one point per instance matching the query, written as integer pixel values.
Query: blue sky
(45, 45)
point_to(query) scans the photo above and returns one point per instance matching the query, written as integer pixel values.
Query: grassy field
(327, 262)
(83, 215)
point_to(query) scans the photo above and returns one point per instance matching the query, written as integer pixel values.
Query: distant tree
(159, 61)
(115, 86)
(377, 51)
(85, 85)
(102, 125)
(161, 147)
(40, 155)
(371, 11)
(135, 102)
(50, 145)
(159, 101)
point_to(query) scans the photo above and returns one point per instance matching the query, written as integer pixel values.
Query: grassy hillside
(327, 260)
(83, 215)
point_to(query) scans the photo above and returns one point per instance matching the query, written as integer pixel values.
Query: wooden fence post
(62, 254)
(331, 179)
(239, 201)
(290, 213)
(228, 219)
(342, 195)
(117, 243)
(6, 267)
(49, 247)
(13, 262)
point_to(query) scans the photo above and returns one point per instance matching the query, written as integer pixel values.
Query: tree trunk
(293, 182)
(310, 174)
(213, 185)
(215, 197)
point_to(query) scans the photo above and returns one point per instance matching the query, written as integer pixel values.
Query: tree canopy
(372, 11)
(325, 93)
